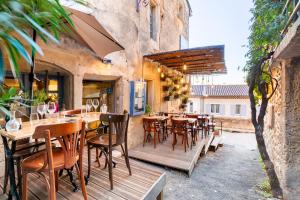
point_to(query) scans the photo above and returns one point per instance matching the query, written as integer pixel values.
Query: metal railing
(291, 10)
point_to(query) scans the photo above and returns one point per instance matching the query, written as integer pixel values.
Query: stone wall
(131, 29)
(282, 133)
(234, 124)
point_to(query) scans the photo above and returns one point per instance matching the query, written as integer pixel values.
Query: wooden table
(159, 118)
(26, 132)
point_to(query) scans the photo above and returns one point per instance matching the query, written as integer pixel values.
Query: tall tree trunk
(258, 123)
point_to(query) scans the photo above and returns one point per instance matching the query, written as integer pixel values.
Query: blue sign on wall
(137, 98)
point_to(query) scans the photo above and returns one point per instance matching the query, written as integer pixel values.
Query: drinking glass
(95, 104)
(51, 107)
(88, 105)
(34, 119)
(41, 109)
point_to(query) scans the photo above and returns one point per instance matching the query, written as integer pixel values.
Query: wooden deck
(145, 183)
(164, 155)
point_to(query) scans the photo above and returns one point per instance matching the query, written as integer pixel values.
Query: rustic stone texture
(234, 124)
(131, 30)
(282, 133)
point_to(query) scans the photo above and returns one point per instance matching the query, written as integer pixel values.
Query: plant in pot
(185, 100)
(176, 96)
(148, 109)
(166, 88)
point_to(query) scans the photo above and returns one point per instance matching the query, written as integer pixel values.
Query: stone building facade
(282, 125)
(131, 29)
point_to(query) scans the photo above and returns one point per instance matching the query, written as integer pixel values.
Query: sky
(217, 22)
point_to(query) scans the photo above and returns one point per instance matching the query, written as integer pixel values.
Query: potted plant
(167, 98)
(148, 109)
(185, 100)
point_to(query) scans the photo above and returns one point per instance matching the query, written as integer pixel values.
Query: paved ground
(231, 173)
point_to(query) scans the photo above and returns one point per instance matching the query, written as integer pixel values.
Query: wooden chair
(151, 126)
(50, 161)
(116, 136)
(180, 127)
(194, 128)
(24, 148)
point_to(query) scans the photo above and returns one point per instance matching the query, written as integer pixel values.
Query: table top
(28, 130)
(190, 120)
(159, 118)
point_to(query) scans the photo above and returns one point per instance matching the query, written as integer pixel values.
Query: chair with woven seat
(116, 136)
(71, 137)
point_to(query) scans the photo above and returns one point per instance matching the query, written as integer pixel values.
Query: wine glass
(51, 107)
(34, 119)
(88, 105)
(95, 104)
(41, 109)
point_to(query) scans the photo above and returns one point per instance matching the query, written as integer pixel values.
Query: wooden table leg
(9, 152)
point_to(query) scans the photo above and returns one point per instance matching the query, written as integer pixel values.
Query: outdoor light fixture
(162, 75)
(159, 69)
(106, 61)
(184, 67)
(182, 80)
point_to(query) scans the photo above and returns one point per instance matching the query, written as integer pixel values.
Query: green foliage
(265, 188)
(40, 96)
(266, 25)
(8, 96)
(148, 109)
(18, 19)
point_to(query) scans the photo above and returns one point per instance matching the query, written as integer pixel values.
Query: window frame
(238, 107)
(152, 22)
(215, 108)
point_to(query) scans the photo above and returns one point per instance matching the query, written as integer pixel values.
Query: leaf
(40, 29)
(18, 46)
(12, 92)
(30, 41)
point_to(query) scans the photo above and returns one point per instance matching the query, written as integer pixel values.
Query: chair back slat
(179, 126)
(68, 135)
(118, 124)
(149, 124)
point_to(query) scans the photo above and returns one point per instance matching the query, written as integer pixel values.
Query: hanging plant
(176, 96)
(182, 106)
(166, 88)
(184, 92)
(167, 98)
(185, 100)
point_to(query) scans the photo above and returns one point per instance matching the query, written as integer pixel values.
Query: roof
(200, 60)
(220, 90)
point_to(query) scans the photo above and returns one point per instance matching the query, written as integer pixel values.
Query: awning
(92, 33)
(200, 60)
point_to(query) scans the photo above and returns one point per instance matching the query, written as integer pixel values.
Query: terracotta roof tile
(220, 90)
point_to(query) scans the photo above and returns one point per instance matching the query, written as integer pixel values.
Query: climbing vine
(266, 26)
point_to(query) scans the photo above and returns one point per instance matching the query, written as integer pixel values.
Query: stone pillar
(77, 90)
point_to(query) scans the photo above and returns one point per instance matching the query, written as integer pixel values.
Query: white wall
(227, 106)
